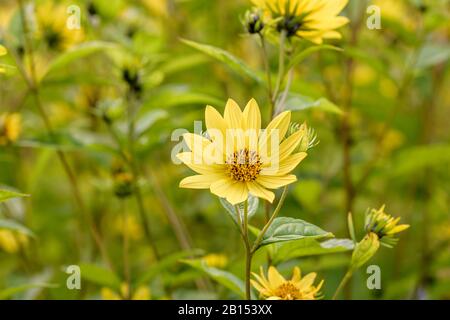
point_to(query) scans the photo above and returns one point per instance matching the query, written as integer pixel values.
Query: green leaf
(225, 278)
(146, 121)
(9, 293)
(298, 58)
(224, 56)
(100, 276)
(298, 102)
(15, 226)
(433, 54)
(78, 52)
(166, 263)
(231, 210)
(287, 229)
(309, 247)
(8, 194)
(415, 159)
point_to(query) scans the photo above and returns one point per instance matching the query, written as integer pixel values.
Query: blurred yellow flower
(313, 20)
(141, 293)
(10, 128)
(132, 227)
(52, 29)
(216, 260)
(2, 53)
(11, 241)
(237, 157)
(383, 225)
(276, 287)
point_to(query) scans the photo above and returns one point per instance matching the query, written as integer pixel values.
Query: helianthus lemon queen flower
(276, 287)
(237, 158)
(313, 20)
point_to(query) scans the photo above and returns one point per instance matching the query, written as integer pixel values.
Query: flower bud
(365, 250)
(253, 21)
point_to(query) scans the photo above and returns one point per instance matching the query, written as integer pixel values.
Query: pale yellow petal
(296, 275)
(199, 181)
(258, 191)
(233, 115)
(252, 116)
(307, 281)
(275, 278)
(197, 163)
(215, 124)
(275, 182)
(285, 167)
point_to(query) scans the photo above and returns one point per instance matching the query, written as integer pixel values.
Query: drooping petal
(237, 193)
(260, 192)
(275, 182)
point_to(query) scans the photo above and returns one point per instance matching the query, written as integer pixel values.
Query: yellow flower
(237, 157)
(52, 28)
(384, 226)
(141, 293)
(276, 287)
(216, 260)
(10, 128)
(313, 20)
(2, 53)
(11, 241)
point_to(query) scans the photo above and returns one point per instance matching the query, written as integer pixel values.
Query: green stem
(33, 86)
(135, 172)
(268, 74)
(344, 281)
(274, 215)
(248, 253)
(280, 71)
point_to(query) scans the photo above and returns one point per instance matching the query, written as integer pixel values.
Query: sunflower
(52, 28)
(236, 158)
(313, 20)
(10, 127)
(276, 287)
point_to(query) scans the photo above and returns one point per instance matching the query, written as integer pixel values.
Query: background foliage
(398, 146)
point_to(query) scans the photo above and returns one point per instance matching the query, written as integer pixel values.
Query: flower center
(288, 291)
(244, 165)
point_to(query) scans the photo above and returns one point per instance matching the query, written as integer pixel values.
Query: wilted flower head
(276, 287)
(10, 128)
(239, 158)
(253, 21)
(313, 20)
(384, 226)
(123, 181)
